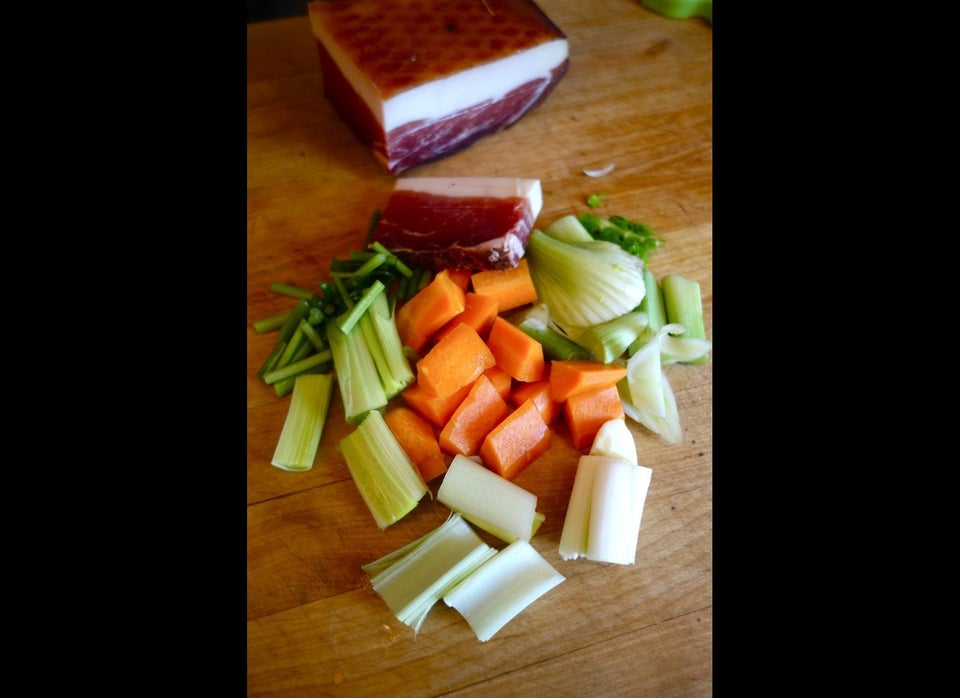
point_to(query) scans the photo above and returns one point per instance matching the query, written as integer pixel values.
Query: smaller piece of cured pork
(471, 223)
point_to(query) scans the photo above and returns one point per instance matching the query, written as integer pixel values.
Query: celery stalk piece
(683, 349)
(616, 508)
(556, 345)
(357, 376)
(291, 290)
(609, 340)
(303, 427)
(272, 322)
(652, 305)
(380, 332)
(388, 482)
(584, 283)
(352, 316)
(667, 427)
(683, 304)
(569, 229)
(294, 369)
(487, 500)
(411, 582)
(502, 587)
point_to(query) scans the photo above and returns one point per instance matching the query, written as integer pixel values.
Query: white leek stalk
(489, 501)
(605, 509)
(495, 593)
(303, 427)
(388, 481)
(411, 580)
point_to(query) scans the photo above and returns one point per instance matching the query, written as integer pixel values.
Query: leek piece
(303, 427)
(614, 439)
(413, 579)
(605, 509)
(618, 497)
(569, 229)
(683, 304)
(388, 482)
(502, 587)
(380, 332)
(487, 500)
(357, 375)
(584, 283)
(609, 340)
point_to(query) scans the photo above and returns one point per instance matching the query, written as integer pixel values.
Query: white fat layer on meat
(494, 187)
(441, 98)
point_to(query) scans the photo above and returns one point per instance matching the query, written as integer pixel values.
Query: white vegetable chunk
(502, 587)
(615, 439)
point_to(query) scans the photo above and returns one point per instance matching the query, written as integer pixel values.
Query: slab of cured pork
(418, 80)
(471, 223)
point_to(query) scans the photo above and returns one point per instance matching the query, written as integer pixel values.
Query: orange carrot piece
(481, 410)
(586, 412)
(516, 352)
(455, 361)
(568, 378)
(461, 277)
(521, 438)
(479, 312)
(428, 310)
(418, 440)
(539, 392)
(511, 288)
(501, 379)
(435, 409)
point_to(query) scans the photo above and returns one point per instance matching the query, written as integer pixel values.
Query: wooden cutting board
(638, 94)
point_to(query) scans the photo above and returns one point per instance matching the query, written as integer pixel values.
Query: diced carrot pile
(483, 385)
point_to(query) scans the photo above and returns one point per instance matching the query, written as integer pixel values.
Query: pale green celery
(291, 290)
(296, 368)
(667, 427)
(569, 229)
(294, 345)
(652, 305)
(506, 584)
(352, 316)
(683, 304)
(389, 483)
(556, 345)
(487, 500)
(412, 579)
(584, 283)
(683, 349)
(303, 427)
(609, 340)
(380, 332)
(357, 375)
(603, 516)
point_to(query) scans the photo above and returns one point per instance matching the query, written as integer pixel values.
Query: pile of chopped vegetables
(461, 374)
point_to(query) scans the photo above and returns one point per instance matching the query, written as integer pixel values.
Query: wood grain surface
(638, 94)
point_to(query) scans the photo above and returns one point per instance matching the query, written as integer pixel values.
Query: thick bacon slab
(460, 222)
(417, 80)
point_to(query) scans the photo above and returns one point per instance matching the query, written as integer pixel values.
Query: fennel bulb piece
(584, 283)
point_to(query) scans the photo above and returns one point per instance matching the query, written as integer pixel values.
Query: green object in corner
(682, 9)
